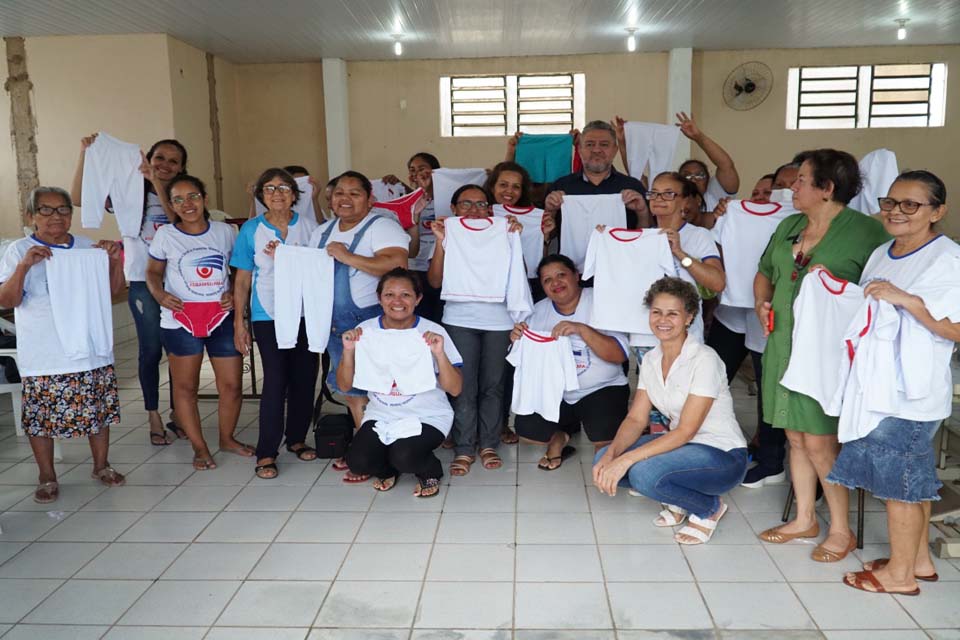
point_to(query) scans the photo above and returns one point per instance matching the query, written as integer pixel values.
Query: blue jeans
(656, 418)
(146, 317)
(691, 477)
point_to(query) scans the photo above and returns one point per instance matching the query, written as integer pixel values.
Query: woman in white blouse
(704, 453)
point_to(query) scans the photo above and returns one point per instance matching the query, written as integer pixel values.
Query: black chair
(860, 502)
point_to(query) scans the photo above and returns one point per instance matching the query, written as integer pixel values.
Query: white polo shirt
(699, 371)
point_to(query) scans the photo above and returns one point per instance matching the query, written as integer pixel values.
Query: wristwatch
(687, 262)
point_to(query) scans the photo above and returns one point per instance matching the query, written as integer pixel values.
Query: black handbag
(332, 435)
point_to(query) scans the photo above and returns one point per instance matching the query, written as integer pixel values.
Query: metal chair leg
(788, 506)
(861, 495)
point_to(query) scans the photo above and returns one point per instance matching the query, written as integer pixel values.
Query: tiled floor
(515, 553)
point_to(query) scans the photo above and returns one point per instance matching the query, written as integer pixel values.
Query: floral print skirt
(70, 405)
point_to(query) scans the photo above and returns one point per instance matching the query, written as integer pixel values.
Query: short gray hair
(33, 200)
(600, 125)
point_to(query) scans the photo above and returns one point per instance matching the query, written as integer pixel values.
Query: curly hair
(678, 288)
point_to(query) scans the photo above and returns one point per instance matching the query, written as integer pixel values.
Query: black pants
(367, 455)
(289, 376)
(732, 349)
(431, 306)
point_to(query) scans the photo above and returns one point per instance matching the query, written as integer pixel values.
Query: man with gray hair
(598, 148)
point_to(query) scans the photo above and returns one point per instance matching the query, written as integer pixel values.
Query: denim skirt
(896, 461)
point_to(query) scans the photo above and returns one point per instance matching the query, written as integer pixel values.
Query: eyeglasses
(667, 196)
(696, 176)
(63, 211)
(270, 189)
(178, 201)
(908, 207)
(466, 205)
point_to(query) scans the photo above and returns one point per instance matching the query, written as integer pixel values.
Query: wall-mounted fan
(747, 86)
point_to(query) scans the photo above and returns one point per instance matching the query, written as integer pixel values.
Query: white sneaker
(634, 493)
(777, 478)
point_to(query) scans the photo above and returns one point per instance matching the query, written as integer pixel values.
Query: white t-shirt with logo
(384, 233)
(135, 250)
(430, 407)
(197, 265)
(593, 373)
(421, 262)
(531, 237)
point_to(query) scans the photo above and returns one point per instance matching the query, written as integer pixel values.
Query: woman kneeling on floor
(704, 454)
(389, 442)
(600, 404)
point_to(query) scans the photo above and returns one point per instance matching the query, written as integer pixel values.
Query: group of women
(677, 441)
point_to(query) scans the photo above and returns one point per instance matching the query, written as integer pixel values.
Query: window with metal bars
(503, 105)
(867, 96)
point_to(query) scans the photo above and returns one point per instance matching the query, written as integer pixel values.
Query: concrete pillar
(680, 94)
(336, 102)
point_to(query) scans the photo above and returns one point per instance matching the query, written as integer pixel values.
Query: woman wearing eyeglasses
(723, 184)
(918, 273)
(829, 234)
(481, 333)
(63, 397)
(289, 375)
(189, 277)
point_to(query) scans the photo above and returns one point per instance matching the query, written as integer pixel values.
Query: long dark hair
(525, 199)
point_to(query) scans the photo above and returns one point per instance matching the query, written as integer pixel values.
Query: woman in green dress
(830, 235)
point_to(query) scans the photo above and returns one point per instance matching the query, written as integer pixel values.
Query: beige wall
(190, 97)
(9, 199)
(280, 118)
(83, 84)
(235, 202)
(759, 141)
(384, 134)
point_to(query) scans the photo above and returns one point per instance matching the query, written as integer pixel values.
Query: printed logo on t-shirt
(581, 355)
(392, 399)
(153, 219)
(203, 271)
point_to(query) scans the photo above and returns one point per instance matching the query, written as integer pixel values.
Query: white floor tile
(936, 607)
(245, 526)
(13, 494)
(156, 633)
(479, 528)
(198, 498)
(20, 596)
(644, 508)
(72, 497)
(795, 563)
(468, 605)
(561, 606)
(460, 634)
(275, 604)
(10, 549)
(837, 606)
(300, 562)
(50, 560)
(553, 634)
(555, 528)
(159, 474)
(264, 498)
(167, 527)
(399, 527)
(385, 562)
(651, 562)
(472, 562)
(401, 498)
(481, 499)
(649, 605)
(876, 634)
(731, 563)
(359, 634)
(737, 608)
(241, 633)
(558, 563)
(321, 526)
(92, 526)
(132, 561)
(26, 473)
(215, 561)
(88, 602)
(224, 475)
(536, 498)
(369, 604)
(568, 473)
(55, 632)
(770, 498)
(627, 528)
(181, 602)
(82, 474)
(338, 498)
(127, 498)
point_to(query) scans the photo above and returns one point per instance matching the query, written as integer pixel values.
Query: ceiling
(250, 31)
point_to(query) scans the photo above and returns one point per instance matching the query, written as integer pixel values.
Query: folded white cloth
(394, 360)
(391, 431)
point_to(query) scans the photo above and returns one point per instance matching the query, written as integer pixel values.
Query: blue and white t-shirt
(197, 264)
(135, 250)
(248, 255)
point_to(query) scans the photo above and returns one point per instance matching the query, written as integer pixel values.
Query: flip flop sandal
(429, 488)
(490, 459)
(46, 492)
(880, 563)
(352, 478)
(565, 453)
(204, 464)
(385, 484)
(671, 516)
(701, 537)
(508, 436)
(244, 450)
(302, 451)
(109, 476)
(159, 439)
(340, 464)
(177, 431)
(858, 579)
(461, 465)
(263, 471)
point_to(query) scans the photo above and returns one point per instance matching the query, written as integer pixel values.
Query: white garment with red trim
(484, 263)
(822, 312)
(743, 233)
(384, 192)
(393, 360)
(545, 369)
(623, 264)
(581, 215)
(531, 237)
